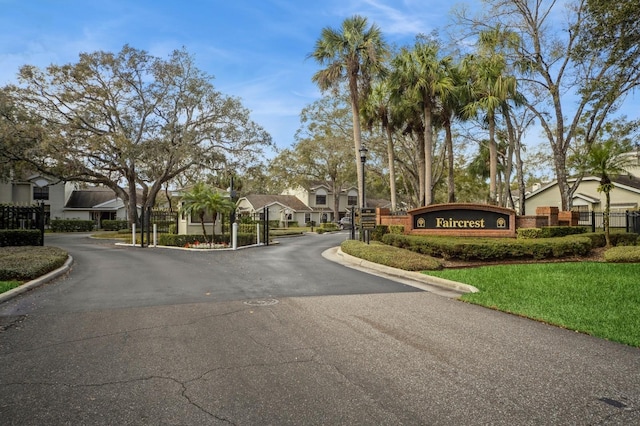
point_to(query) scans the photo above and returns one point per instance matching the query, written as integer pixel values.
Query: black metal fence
(166, 221)
(23, 217)
(633, 222)
(629, 220)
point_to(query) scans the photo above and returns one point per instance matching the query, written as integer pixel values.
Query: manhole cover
(265, 302)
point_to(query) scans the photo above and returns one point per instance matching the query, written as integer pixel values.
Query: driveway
(279, 335)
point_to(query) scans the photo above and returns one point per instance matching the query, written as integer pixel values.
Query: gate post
(40, 219)
(148, 226)
(266, 227)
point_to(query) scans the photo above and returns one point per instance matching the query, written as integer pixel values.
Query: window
(307, 217)
(195, 217)
(321, 197)
(352, 200)
(40, 193)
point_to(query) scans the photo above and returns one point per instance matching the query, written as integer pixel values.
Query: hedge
(20, 237)
(617, 239)
(72, 225)
(244, 239)
(550, 231)
(27, 263)
(623, 255)
(378, 232)
(396, 229)
(115, 225)
(491, 249)
(390, 256)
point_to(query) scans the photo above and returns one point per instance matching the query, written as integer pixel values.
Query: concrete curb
(37, 282)
(338, 255)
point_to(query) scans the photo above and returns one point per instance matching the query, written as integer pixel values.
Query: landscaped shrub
(27, 263)
(71, 225)
(396, 229)
(378, 232)
(491, 248)
(623, 254)
(390, 256)
(561, 231)
(329, 226)
(624, 239)
(114, 225)
(617, 239)
(183, 240)
(550, 232)
(529, 233)
(20, 237)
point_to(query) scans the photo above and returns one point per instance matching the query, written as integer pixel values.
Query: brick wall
(531, 221)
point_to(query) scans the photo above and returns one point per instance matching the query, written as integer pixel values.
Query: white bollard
(155, 235)
(133, 234)
(234, 236)
(258, 233)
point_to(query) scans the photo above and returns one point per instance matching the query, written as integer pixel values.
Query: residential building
(286, 209)
(323, 202)
(63, 200)
(586, 198)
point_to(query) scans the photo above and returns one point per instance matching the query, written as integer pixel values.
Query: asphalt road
(280, 335)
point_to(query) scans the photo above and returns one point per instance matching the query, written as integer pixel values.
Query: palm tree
(202, 200)
(216, 203)
(491, 88)
(377, 109)
(421, 75)
(353, 54)
(195, 201)
(451, 104)
(606, 161)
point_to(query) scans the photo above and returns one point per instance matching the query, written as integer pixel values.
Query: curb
(37, 282)
(416, 276)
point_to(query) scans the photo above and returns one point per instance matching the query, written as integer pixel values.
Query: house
(94, 203)
(586, 198)
(286, 209)
(322, 201)
(63, 200)
(36, 189)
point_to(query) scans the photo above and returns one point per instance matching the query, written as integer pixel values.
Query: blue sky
(255, 49)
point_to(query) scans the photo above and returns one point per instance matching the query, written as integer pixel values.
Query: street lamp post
(363, 203)
(363, 158)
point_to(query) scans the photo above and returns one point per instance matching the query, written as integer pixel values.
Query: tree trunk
(605, 217)
(133, 201)
(355, 115)
(520, 173)
(566, 192)
(421, 170)
(493, 162)
(451, 187)
(392, 169)
(336, 200)
(428, 156)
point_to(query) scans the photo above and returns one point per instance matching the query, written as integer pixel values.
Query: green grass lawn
(8, 285)
(600, 299)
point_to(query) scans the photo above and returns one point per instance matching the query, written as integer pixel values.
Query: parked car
(345, 223)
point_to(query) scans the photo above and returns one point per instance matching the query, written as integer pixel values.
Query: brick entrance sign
(462, 220)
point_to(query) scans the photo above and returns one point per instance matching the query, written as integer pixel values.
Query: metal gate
(633, 221)
(23, 217)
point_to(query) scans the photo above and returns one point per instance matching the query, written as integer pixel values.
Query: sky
(255, 49)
